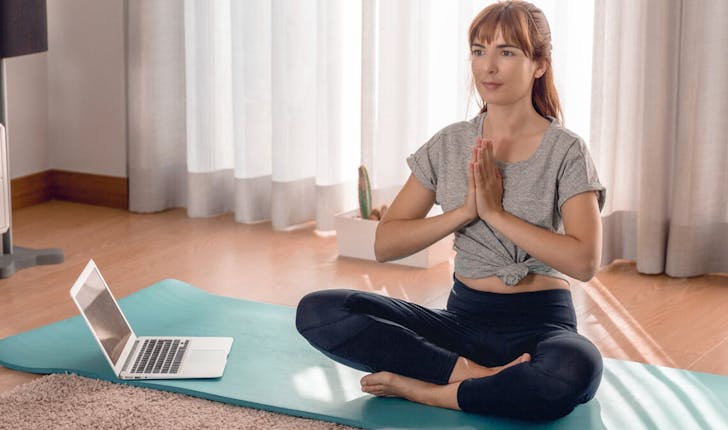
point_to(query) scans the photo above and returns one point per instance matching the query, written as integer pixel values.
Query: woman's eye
(508, 53)
(477, 52)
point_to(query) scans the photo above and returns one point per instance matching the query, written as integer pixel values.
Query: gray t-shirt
(533, 190)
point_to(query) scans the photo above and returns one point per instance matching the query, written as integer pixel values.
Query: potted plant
(356, 230)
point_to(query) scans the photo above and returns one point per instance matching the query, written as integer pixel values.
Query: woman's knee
(574, 365)
(326, 318)
(565, 372)
(320, 308)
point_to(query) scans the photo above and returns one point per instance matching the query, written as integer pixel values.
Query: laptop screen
(104, 316)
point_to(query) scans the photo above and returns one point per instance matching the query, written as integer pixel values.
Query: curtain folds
(658, 133)
(266, 108)
(156, 106)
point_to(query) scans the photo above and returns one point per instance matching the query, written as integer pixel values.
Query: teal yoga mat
(271, 367)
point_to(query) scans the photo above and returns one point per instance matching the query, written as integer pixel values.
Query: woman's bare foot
(387, 384)
(466, 369)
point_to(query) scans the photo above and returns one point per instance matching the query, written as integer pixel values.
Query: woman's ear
(540, 69)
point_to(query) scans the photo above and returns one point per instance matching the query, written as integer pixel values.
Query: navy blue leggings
(374, 333)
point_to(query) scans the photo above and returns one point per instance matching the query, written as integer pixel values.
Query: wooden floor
(653, 319)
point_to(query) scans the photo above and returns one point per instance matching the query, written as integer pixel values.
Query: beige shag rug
(73, 402)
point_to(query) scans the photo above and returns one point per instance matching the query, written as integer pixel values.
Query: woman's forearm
(399, 238)
(576, 253)
(567, 254)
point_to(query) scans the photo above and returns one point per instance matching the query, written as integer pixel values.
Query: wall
(87, 86)
(27, 107)
(67, 107)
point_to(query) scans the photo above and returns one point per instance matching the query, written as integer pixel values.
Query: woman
(522, 196)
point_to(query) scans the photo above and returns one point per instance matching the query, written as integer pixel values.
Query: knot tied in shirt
(512, 273)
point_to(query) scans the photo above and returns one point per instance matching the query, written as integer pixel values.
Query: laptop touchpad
(200, 356)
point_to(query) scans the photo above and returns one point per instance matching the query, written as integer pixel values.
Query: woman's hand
(470, 206)
(487, 180)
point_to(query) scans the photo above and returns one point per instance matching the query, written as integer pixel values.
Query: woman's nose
(491, 65)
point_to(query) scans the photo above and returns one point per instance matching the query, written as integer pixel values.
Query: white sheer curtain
(156, 115)
(659, 133)
(266, 108)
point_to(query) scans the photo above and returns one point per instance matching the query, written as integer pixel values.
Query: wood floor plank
(712, 361)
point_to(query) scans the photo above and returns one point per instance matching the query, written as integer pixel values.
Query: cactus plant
(365, 193)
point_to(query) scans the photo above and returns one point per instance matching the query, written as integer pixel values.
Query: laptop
(134, 357)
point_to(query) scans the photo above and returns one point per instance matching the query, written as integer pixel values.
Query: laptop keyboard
(160, 356)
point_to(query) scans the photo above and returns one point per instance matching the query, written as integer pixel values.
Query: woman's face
(503, 74)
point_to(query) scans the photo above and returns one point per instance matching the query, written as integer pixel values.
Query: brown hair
(525, 26)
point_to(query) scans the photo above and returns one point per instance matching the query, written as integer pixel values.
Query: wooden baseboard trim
(31, 190)
(99, 190)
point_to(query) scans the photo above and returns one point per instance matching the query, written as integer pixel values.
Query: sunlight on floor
(630, 330)
(370, 286)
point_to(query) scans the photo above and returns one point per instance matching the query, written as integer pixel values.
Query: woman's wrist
(496, 218)
(464, 216)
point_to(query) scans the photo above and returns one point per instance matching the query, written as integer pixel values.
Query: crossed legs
(424, 355)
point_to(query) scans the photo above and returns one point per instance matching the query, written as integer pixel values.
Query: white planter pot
(355, 238)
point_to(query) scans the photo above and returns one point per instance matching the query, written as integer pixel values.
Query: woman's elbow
(585, 276)
(386, 244)
(588, 268)
(380, 249)
(379, 253)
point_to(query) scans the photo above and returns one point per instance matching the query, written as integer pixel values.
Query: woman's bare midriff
(529, 283)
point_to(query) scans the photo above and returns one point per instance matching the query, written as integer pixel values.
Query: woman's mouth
(491, 85)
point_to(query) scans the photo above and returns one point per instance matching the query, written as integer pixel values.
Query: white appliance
(4, 183)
